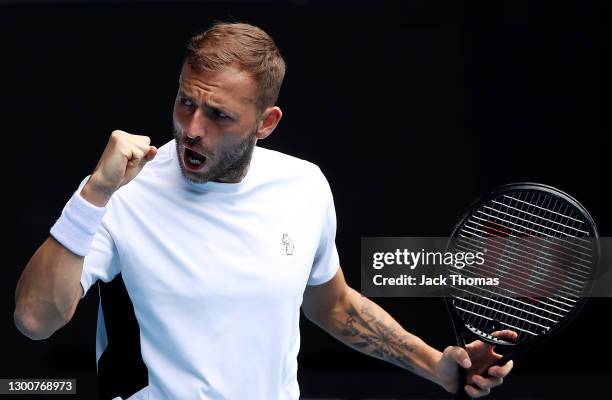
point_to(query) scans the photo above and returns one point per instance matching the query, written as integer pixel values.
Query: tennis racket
(542, 246)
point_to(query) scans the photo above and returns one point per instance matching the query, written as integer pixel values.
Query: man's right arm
(48, 291)
(49, 288)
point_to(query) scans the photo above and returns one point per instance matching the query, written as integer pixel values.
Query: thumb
(459, 355)
(151, 154)
(147, 157)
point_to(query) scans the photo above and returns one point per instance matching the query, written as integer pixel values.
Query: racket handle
(462, 394)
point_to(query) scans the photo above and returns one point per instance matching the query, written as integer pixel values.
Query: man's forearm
(48, 290)
(365, 326)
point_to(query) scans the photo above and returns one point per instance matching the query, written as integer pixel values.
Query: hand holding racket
(542, 246)
(481, 368)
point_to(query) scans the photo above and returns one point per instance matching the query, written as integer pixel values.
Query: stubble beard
(229, 163)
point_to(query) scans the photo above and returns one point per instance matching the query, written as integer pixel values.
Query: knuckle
(117, 137)
(124, 150)
(116, 134)
(140, 140)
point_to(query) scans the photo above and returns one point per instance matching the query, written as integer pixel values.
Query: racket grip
(462, 394)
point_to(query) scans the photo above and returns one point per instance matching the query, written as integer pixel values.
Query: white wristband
(76, 227)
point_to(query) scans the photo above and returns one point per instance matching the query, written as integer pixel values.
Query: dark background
(411, 109)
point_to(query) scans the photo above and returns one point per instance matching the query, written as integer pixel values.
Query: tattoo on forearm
(371, 334)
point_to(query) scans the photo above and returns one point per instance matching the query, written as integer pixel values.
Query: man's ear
(270, 118)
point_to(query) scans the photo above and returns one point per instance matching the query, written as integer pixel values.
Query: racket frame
(463, 332)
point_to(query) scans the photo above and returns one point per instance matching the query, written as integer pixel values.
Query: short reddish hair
(245, 47)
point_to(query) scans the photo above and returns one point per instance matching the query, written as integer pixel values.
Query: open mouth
(193, 161)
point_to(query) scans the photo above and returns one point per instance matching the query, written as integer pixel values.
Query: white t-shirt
(216, 272)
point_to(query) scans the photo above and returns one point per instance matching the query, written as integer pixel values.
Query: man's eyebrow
(213, 106)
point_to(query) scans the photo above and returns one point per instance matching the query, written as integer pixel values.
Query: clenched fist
(123, 158)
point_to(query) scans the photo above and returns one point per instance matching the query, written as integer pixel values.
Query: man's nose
(191, 140)
(195, 129)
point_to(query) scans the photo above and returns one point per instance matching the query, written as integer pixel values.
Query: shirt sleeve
(326, 260)
(102, 261)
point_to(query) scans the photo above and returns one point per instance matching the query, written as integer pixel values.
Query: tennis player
(219, 243)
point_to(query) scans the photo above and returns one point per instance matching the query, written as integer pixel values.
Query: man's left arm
(363, 325)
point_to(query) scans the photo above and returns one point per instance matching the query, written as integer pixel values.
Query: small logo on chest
(287, 244)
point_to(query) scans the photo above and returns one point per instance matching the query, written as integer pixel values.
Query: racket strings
(531, 279)
(537, 244)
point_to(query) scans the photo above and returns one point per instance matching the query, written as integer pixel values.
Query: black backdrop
(411, 110)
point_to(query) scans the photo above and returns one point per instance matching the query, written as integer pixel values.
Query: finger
(475, 393)
(142, 144)
(486, 383)
(137, 153)
(145, 140)
(459, 355)
(135, 156)
(505, 334)
(152, 153)
(140, 141)
(501, 371)
(148, 155)
(123, 140)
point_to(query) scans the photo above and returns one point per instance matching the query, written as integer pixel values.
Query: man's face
(215, 124)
